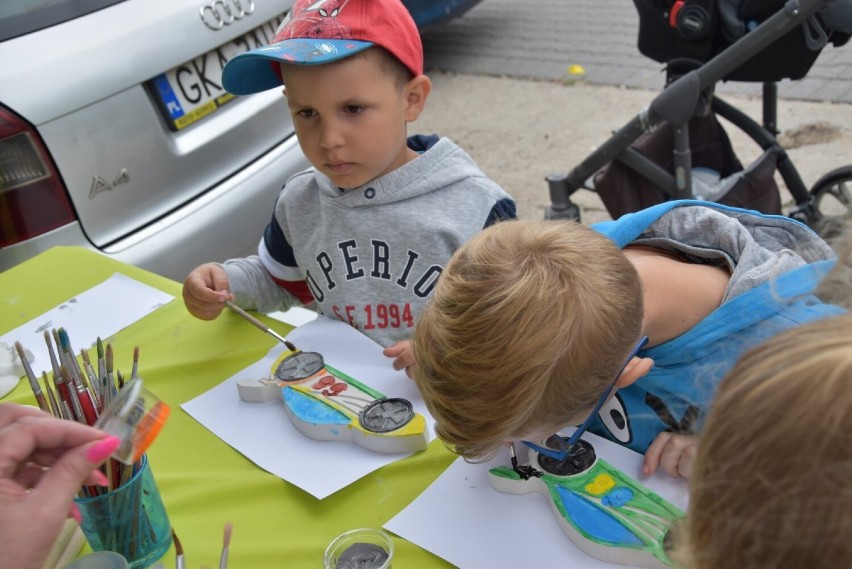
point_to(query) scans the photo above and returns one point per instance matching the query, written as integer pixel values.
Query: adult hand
(673, 453)
(403, 356)
(43, 463)
(205, 291)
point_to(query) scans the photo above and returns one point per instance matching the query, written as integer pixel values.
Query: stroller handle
(680, 100)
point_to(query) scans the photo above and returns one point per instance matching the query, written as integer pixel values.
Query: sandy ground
(519, 131)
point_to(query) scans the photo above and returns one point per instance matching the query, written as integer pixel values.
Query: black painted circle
(580, 459)
(299, 366)
(386, 415)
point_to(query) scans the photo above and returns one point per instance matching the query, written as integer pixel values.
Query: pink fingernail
(75, 513)
(100, 451)
(100, 478)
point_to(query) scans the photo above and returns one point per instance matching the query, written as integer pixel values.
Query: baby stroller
(676, 148)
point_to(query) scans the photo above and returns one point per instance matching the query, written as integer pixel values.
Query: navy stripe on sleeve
(279, 249)
(502, 210)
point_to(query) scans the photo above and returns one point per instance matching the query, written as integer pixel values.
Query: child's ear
(416, 92)
(635, 370)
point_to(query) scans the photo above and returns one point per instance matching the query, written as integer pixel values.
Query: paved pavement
(540, 39)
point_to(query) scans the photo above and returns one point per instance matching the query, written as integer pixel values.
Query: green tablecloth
(203, 481)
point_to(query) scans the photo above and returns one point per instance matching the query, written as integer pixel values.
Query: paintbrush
(109, 369)
(94, 384)
(101, 363)
(61, 402)
(54, 364)
(260, 325)
(73, 397)
(42, 402)
(51, 398)
(87, 404)
(179, 561)
(134, 372)
(106, 392)
(88, 371)
(226, 542)
(84, 407)
(62, 393)
(67, 357)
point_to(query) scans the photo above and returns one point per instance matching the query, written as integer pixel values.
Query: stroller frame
(691, 95)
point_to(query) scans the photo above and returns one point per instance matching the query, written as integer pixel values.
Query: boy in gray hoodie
(364, 235)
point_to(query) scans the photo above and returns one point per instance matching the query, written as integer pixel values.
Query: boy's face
(350, 117)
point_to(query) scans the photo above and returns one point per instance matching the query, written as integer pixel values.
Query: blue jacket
(776, 263)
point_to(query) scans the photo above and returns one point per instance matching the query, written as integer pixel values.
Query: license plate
(193, 90)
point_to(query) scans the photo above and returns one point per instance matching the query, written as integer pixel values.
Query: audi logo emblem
(219, 13)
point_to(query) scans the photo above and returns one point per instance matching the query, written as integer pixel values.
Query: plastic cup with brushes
(130, 517)
(126, 514)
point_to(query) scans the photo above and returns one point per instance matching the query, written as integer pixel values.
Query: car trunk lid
(90, 88)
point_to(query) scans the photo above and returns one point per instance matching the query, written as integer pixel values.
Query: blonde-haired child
(506, 321)
(532, 322)
(771, 482)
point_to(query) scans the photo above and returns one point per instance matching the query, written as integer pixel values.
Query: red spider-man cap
(321, 31)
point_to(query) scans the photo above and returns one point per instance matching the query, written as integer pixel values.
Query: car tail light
(33, 199)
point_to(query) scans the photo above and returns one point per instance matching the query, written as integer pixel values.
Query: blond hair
(527, 327)
(771, 485)
(834, 288)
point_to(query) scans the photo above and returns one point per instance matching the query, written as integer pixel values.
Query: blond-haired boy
(532, 323)
(365, 234)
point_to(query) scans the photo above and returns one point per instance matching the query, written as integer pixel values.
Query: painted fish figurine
(325, 404)
(607, 514)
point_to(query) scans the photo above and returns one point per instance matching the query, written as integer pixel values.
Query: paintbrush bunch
(78, 391)
(81, 391)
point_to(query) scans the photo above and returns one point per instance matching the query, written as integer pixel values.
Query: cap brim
(251, 72)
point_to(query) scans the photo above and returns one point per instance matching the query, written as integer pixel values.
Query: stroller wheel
(832, 203)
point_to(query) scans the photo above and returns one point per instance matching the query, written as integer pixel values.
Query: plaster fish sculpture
(325, 404)
(607, 514)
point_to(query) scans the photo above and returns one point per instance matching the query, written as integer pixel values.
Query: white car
(116, 135)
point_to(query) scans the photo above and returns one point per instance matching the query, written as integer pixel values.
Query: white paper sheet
(295, 316)
(264, 434)
(100, 311)
(463, 520)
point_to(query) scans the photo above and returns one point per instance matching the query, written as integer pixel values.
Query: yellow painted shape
(602, 484)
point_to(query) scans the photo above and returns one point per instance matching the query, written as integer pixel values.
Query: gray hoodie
(370, 256)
